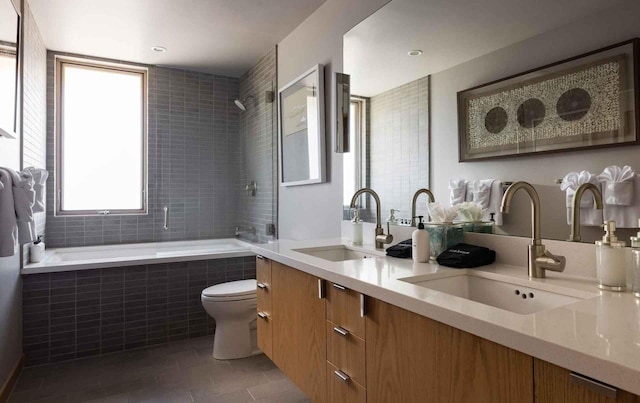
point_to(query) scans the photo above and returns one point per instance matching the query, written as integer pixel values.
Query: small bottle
(356, 223)
(635, 262)
(392, 217)
(420, 244)
(611, 268)
(36, 250)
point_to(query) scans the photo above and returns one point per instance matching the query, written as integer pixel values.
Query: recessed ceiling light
(159, 49)
(416, 52)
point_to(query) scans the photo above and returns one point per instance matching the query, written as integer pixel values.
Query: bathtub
(94, 257)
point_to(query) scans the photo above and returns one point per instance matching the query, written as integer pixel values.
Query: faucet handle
(552, 262)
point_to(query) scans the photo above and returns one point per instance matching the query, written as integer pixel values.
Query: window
(100, 138)
(354, 170)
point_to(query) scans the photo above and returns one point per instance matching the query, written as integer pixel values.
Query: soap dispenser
(356, 224)
(392, 217)
(420, 243)
(611, 267)
(635, 262)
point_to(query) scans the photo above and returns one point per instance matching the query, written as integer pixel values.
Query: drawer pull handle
(363, 306)
(260, 257)
(342, 376)
(341, 331)
(593, 385)
(321, 289)
(338, 287)
(263, 315)
(262, 286)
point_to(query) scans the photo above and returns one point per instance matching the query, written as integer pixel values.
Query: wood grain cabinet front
(344, 308)
(410, 358)
(299, 329)
(342, 389)
(265, 319)
(554, 384)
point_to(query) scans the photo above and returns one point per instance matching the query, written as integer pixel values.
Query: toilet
(233, 306)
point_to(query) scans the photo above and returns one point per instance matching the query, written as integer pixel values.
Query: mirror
(8, 66)
(302, 142)
(454, 46)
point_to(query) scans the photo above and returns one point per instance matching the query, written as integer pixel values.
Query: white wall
(614, 25)
(315, 211)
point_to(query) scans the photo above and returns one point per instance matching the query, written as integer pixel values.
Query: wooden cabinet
(340, 390)
(343, 308)
(410, 358)
(265, 320)
(554, 384)
(299, 329)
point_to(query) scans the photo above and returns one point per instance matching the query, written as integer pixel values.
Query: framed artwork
(302, 136)
(588, 101)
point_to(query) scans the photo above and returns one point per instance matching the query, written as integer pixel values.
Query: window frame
(60, 62)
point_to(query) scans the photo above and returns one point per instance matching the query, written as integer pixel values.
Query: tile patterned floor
(178, 372)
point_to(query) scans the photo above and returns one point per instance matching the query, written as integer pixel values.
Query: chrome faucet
(539, 259)
(577, 196)
(415, 199)
(381, 238)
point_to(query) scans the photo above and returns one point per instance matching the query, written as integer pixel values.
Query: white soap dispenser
(420, 244)
(356, 224)
(611, 268)
(392, 217)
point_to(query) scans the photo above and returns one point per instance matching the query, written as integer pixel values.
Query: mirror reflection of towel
(23, 200)
(39, 185)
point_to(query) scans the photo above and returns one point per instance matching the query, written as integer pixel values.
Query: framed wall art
(302, 136)
(588, 101)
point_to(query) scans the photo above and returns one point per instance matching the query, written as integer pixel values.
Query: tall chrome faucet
(577, 196)
(415, 199)
(539, 258)
(381, 238)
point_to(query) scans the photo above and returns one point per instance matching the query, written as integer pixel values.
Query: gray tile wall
(195, 159)
(77, 314)
(258, 132)
(398, 160)
(34, 103)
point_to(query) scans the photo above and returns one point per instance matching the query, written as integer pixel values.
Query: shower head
(242, 103)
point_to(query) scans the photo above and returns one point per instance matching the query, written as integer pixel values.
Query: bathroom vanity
(360, 327)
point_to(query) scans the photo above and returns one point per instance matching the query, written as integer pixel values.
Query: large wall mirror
(409, 60)
(9, 84)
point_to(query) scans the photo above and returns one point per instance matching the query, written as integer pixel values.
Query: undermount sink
(495, 290)
(338, 253)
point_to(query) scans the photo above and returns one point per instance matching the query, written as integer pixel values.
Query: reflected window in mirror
(354, 162)
(7, 85)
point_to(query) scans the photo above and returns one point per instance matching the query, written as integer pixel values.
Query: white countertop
(598, 337)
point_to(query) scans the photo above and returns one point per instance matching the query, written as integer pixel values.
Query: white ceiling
(450, 32)
(217, 36)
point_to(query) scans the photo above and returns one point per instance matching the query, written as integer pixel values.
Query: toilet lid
(231, 289)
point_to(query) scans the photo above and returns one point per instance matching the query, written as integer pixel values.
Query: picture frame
(585, 102)
(301, 132)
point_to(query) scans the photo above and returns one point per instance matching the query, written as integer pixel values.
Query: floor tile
(271, 388)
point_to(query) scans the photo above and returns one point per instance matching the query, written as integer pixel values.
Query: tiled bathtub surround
(77, 314)
(194, 165)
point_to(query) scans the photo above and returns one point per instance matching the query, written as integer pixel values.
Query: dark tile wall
(195, 161)
(258, 132)
(76, 314)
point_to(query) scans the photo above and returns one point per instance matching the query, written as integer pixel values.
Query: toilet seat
(231, 291)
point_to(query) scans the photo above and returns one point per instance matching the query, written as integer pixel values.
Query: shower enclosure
(257, 210)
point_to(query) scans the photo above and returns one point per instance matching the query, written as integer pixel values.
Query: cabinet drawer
(343, 391)
(265, 328)
(346, 352)
(343, 309)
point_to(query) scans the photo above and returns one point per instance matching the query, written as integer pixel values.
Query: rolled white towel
(480, 191)
(23, 201)
(457, 191)
(618, 185)
(40, 180)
